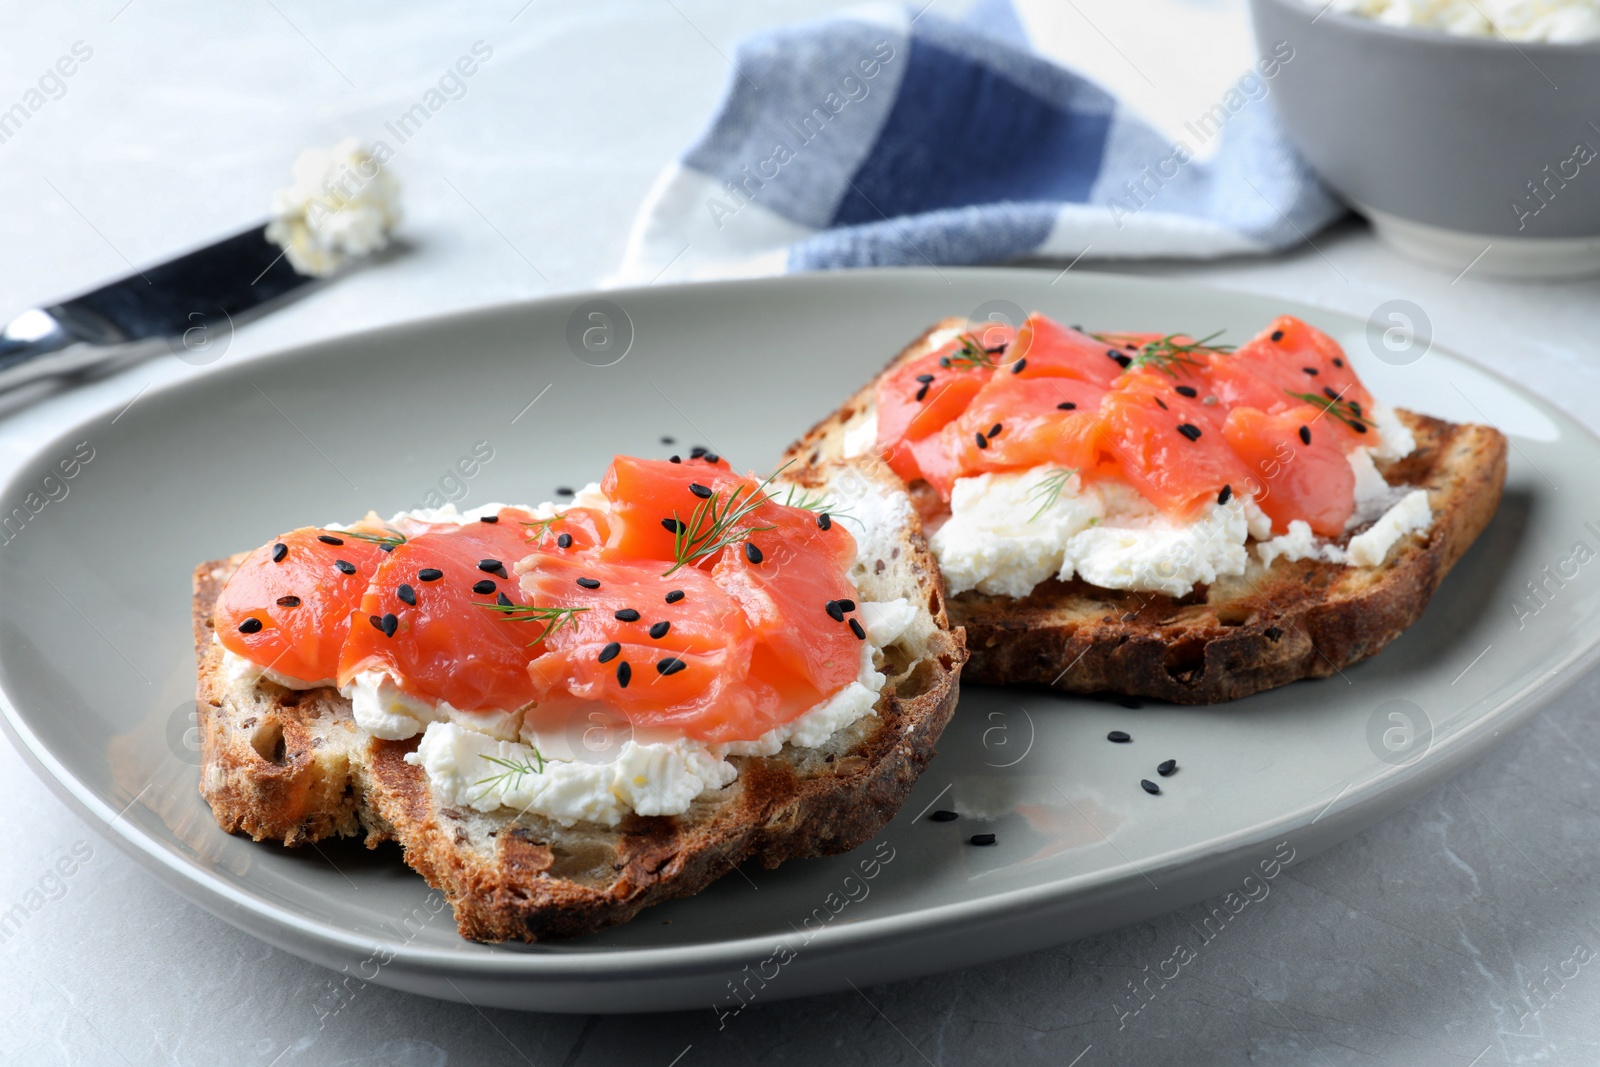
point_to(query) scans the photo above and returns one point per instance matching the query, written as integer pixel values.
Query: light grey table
(1459, 931)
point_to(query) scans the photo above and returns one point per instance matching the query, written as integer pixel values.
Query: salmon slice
(1299, 461)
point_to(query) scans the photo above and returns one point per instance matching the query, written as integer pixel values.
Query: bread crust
(523, 877)
(1272, 626)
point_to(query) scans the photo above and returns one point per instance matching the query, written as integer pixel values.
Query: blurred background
(1415, 942)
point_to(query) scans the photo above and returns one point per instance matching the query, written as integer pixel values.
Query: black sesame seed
(944, 361)
(503, 600)
(490, 519)
(1130, 346)
(626, 615)
(290, 601)
(1066, 405)
(429, 574)
(1305, 435)
(670, 665)
(983, 442)
(1166, 767)
(1149, 786)
(659, 630)
(406, 594)
(329, 539)
(924, 378)
(279, 551)
(669, 440)
(1121, 359)
(922, 392)
(1186, 390)
(250, 626)
(493, 566)
(701, 491)
(564, 541)
(385, 548)
(855, 628)
(825, 521)
(484, 587)
(697, 451)
(835, 612)
(1272, 633)
(1358, 427)
(673, 526)
(1226, 494)
(563, 490)
(624, 674)
(344, 566)
(376, 621)
(1327, 391)
(943, 816)
(389, 624)
(1337, 362)
(994, 431)
(711, 457)
(1189, 430)
(1160, 404)
(1277, 335)
(847, 604)
(752, 553)
(1310, 370)
(1119, 737)
(674, 459)
(982, 839)
(610, 652)
(589, 583)
(674, 596)
(1019, 366)
(996, 350)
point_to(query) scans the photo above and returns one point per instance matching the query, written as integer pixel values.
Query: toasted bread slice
(1271, 626)
(293, 767)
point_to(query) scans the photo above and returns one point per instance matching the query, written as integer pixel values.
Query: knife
(178, 305)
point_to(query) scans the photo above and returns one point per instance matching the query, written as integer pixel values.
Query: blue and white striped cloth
(883, 137)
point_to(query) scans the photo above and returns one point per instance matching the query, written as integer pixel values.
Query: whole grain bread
(292, 767)
(1268, 627)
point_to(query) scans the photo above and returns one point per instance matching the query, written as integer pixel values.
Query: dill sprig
(972, 354)
(515, 771)
(819, 503)
(1346, 411)
(1048, 490)
(394, 538)
(540, 528)
(714, 523)
(1169, 355)
(553, 618)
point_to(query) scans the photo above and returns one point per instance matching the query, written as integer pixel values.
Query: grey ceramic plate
(97, 670)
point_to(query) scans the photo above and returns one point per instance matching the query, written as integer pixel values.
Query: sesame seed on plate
(982, 839)
(564, 490)
(1166, 767)
(1119, 737)
(943, 815)
(1149, 787)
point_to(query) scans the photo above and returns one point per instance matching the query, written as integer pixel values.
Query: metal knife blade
(220, 283)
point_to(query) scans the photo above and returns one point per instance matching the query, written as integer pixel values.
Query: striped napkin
(891, 137)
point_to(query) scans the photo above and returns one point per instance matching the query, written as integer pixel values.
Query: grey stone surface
(1456, 932)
